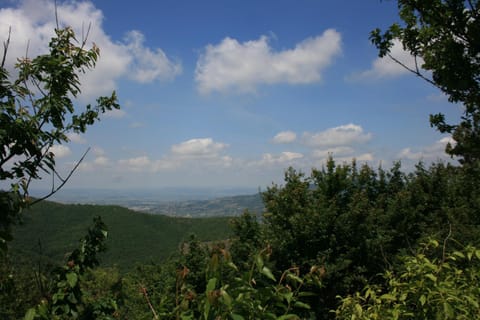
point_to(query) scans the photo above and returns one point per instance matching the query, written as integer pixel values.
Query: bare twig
(85, 36)
(6, 43)
(145, 295)
(56, 14)
(64, 181)
(415, 72)
(445, 242)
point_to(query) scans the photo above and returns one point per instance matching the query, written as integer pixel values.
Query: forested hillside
(52, 229)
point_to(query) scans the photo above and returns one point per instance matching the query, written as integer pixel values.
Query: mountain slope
(53, 229)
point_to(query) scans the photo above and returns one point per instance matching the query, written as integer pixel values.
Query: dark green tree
(444, 38)
(37, 110)
(354, 222)
(427, 285)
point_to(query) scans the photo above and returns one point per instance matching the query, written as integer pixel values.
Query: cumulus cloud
(60, 151)
(98, 151)
(33, 22)
(76, 138)
(149, 65)
(386, 67)
(285, 137)
(283, 158)
(343, 135)
(334, 151)
(241, 67)
(192, 154)
(136, 164)
(203, 147)
(431, 152)
(101, 161)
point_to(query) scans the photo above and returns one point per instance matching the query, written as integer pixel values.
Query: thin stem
(445, 242)
(64, 181)
(6, 43)
(416, 72)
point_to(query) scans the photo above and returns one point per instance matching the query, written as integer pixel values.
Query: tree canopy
(37, 110)
(444, 38)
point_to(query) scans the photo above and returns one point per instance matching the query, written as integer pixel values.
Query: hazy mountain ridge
(224, 206)
(181, 202)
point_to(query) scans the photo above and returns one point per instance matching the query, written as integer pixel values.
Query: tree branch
(64, 181)
(415, 72)
(6, 43)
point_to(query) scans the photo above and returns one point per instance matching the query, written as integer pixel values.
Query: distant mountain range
(225, 206)
(182, 202)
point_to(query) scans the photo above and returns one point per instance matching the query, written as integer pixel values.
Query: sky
(218, 93)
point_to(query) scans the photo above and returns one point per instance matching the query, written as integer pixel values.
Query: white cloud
(149, 65)
(141, 163)
(198, 148)
(76, 138)
(115, 114)
(285, 137)
(432, 152)
(33, 24)
(60, 151)
(101, 161)
(344, 135)
(98, 151)
(235, 66)
(386, 67)
(334, 152)
(190, 155)
(283, 158)
(364, 157)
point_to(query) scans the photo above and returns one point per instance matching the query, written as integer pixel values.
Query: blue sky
(230, 93)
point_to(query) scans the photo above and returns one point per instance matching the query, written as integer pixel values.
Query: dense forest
(344, 241)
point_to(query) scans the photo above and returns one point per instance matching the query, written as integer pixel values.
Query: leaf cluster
(423, 287)
(443, 36)
(37, 110)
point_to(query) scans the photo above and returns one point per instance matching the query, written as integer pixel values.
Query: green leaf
(211, 284)
(226, 298)
(388, 296)
(30, 315)
(235, 316)
(268, 273)
(477, 254)
(294, 277)
(423, 299)
(303, 305)
(358, 309)
(431, 277)
(72, 279)
(259, 261)
(288, 317)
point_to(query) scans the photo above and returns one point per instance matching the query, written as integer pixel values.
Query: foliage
(22, 286)
(134, 237)
(445, 287)
(246, 240)
(353, 222)
(36, 112)
(445, 35)
(155, 282)
(67, 300)
(232, 294)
